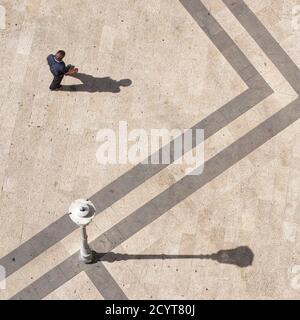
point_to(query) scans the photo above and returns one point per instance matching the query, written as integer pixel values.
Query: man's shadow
(241, 257)
(92, 84)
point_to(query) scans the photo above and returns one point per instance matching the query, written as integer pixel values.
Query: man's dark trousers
(58, 79)
(56, 82)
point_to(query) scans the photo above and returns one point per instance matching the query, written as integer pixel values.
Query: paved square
(229, 67)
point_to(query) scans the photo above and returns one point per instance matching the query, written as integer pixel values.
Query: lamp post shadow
(241, 257)
(92, 84)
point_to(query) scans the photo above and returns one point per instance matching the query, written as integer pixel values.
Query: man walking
(59, 69)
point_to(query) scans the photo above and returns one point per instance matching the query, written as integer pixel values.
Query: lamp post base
(86, 256)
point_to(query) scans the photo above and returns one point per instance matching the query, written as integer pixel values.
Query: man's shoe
(55, 89)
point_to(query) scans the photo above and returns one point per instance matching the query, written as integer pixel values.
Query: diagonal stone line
(61, 228)
(169, 198)
(64, 272)
(105, 283)
(266, 42)
(258, 90)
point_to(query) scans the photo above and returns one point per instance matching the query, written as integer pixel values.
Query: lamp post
(82, 213)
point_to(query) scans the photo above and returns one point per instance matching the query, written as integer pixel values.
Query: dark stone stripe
(189, 184)
(105, 283)
(155, 208)
(33, 247)
(64, 272)
(265, 40)
(128, 182)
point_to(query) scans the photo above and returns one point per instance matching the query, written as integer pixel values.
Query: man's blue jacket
(58, 68)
